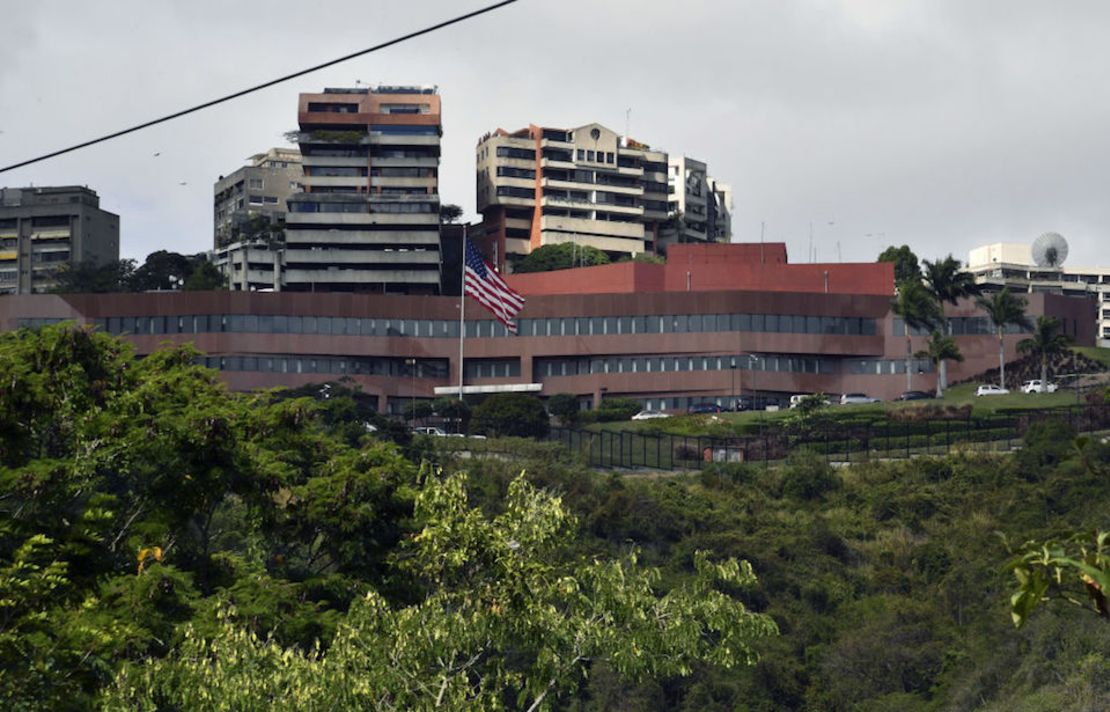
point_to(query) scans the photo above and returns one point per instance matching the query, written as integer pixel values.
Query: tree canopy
(561, 256)
(906, 266)
(162, 271)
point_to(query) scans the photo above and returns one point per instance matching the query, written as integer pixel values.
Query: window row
(510, 152)
(334, 365)
(588, 365)
(441, 328)
(693, 323)
(961, 326)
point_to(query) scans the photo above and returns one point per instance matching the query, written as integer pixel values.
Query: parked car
(1038, 386)
(429, 430)
(989, 389)
(914, 395)
(857, 398)
(704, 408)
(650, 415)
(796, 400)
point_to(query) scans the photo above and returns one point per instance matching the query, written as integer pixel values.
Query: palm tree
(918, 310)
(1004, 309)
(947, 283)
(940, 348)
(1047, 341)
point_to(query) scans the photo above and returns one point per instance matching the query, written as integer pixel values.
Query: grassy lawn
(1095, 354)
(956, 397)
(960, 395)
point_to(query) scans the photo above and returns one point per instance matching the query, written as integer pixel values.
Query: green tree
(939, 349)
(948, 284)
(1004, 309)
(162, 270)
(453, 410)
(204, 276)
(449, 213)
(906, 266)
(1075, 569)
(511, 414)
(564, 406)
(613, 408)
(510, 619)
(257, 227)
(918, 310)
(89, 278)
(417, 410)
(1047, 341)
(561, 256)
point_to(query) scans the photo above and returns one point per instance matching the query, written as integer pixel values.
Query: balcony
(360, 276)
(296, 219)
(587, 228)
(362, 257)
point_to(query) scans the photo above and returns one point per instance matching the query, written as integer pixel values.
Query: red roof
(717, 267)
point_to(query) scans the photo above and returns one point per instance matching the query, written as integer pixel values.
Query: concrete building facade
(257, 190)
(588, 186)
(368, 217)
(717, 323)
(700, 207)
(43, 229)
(1006, 264)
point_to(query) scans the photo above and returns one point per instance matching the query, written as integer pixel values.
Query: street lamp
(732, 368)
(411, 363)
(753, 360)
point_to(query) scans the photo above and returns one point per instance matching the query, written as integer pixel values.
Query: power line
(272, 82)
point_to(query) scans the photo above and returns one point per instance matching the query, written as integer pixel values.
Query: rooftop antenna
(627, 122)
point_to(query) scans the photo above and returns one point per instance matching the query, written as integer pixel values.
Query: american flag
(484, 284)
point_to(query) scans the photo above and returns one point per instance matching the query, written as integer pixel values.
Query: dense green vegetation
(563, 255)
(167, 545)
(161, 271)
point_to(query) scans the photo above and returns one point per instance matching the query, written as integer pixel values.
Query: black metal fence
(837, 440)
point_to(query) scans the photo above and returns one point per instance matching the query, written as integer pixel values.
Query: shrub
(806, 475)
(564, 406)
(514, 414)
(615, 409)
(1047, 443)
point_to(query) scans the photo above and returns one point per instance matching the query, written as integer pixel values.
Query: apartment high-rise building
(43, 229)
(257, 190)
(588, 186)
(368, 217)
(1008, 264)
(700, 207)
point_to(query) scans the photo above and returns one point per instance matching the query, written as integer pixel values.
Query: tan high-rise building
(700, 206)
(368, 219)
(250, 199)
(588, 186)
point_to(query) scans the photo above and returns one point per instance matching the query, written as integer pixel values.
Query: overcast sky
(939, 124)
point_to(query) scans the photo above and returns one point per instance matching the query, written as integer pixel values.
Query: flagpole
(462, 309)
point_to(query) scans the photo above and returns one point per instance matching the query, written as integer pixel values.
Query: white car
(650, 415)
(430, 430)
(857, 398)
(989, 389)
(1038, 386)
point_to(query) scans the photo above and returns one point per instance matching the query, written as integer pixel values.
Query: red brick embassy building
(716, 323)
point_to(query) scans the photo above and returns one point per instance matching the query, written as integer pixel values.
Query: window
(513, 172)
(256, 184)
(510, 152)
